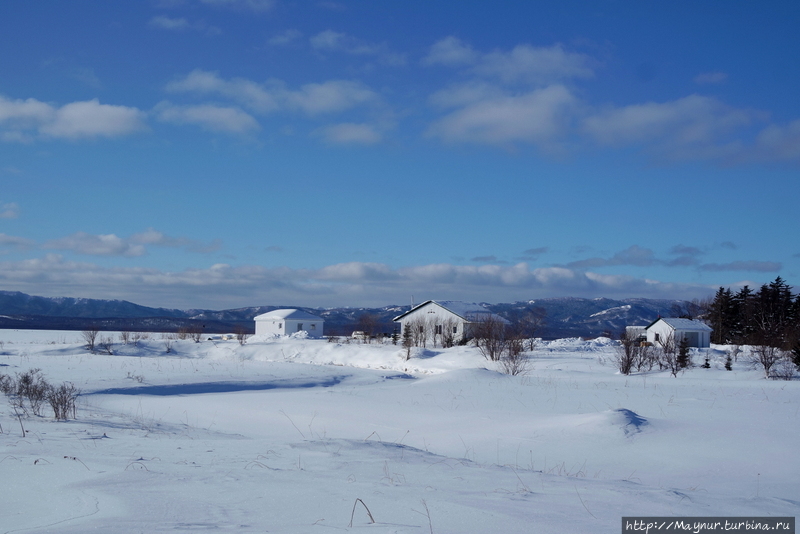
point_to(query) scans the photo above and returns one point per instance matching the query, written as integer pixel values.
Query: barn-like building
(287, 322)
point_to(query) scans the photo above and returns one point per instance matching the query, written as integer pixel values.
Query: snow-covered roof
(683, 324)
(469, 311)
(290, 313)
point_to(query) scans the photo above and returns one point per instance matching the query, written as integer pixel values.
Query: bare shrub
(168, 345)
(90, 337)
(32, 386)
(8, 385)
(183, 332)
(196, 333)
(625, 355)
(449, 327)
(514, 362)
(784, 369)
(489, 335)
(765, 357)
(668, 354)
(125, 337)
(106, 345)
(241, 335)
(63, 401)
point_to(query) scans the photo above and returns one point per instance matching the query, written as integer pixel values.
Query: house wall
(431, 316)
(289, 327)
(270, 327)
(314, 328)
(697, 338)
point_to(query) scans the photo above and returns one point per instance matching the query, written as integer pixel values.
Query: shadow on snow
(219, 387)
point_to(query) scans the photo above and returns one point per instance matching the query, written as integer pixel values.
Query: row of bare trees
(667, 354)
(673, 355)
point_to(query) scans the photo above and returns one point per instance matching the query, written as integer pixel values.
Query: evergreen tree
(683, 353)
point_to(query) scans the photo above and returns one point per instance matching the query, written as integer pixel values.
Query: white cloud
(692, 119)
(778, 143)
(22, 119)
(355, 284)
(450, 51)
(258, 6)
(313, 98)
(15, 242)
(331, 41)
(9, 210)
(242, 91)
(537, 65)
(93, 119)
(542, 117)
(706, 78)
(209, 117)
(328, 97)
(350, 134)
(133, 246)
(179, 24)
(285, 37)
(96, 245)
(167, 23)
(24, 114)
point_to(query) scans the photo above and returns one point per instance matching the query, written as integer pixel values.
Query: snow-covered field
(286, 435)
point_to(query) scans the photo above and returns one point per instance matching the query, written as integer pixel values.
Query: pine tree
(683, 353)
(408, 340)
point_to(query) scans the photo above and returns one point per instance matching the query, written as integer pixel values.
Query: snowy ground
(284, 435)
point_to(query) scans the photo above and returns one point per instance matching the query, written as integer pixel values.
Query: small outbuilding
(287, 322)
(696, 333)
(447, 321)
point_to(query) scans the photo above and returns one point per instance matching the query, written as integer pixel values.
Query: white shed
(697, 333)
(287, 322)
(446, 321)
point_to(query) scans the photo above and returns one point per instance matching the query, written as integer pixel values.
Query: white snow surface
(285, 434)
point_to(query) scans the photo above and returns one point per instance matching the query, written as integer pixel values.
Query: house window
(438, 330)
(421, 329)
(299, 326)
(280, 325)
(455, 329)
(313, 326)
(658, 337)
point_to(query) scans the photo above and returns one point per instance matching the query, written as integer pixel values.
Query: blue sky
(227, 153)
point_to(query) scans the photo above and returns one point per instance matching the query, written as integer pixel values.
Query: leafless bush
(625, 355)
(168, 345)
(196, 333)
(90, 336)
(449, 328)
(668, 354)
(106, 345)
(183, 332)
(7, 385)
(489, 335)
(514, 362)
(32, 386)
(63, 401)
(784, 369)
(418, 330)
(125, 337)
(241, 335)
(765, 357)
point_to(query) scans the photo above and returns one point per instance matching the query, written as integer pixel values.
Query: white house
(287, 322)
(697, 333)
(446, 321)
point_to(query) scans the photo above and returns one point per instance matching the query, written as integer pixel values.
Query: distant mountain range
(563, 317)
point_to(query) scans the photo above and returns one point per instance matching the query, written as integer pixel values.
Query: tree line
(769, 316)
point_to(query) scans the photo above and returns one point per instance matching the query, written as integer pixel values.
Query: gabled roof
(683, 324)
(282, 315)
(468, 311)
